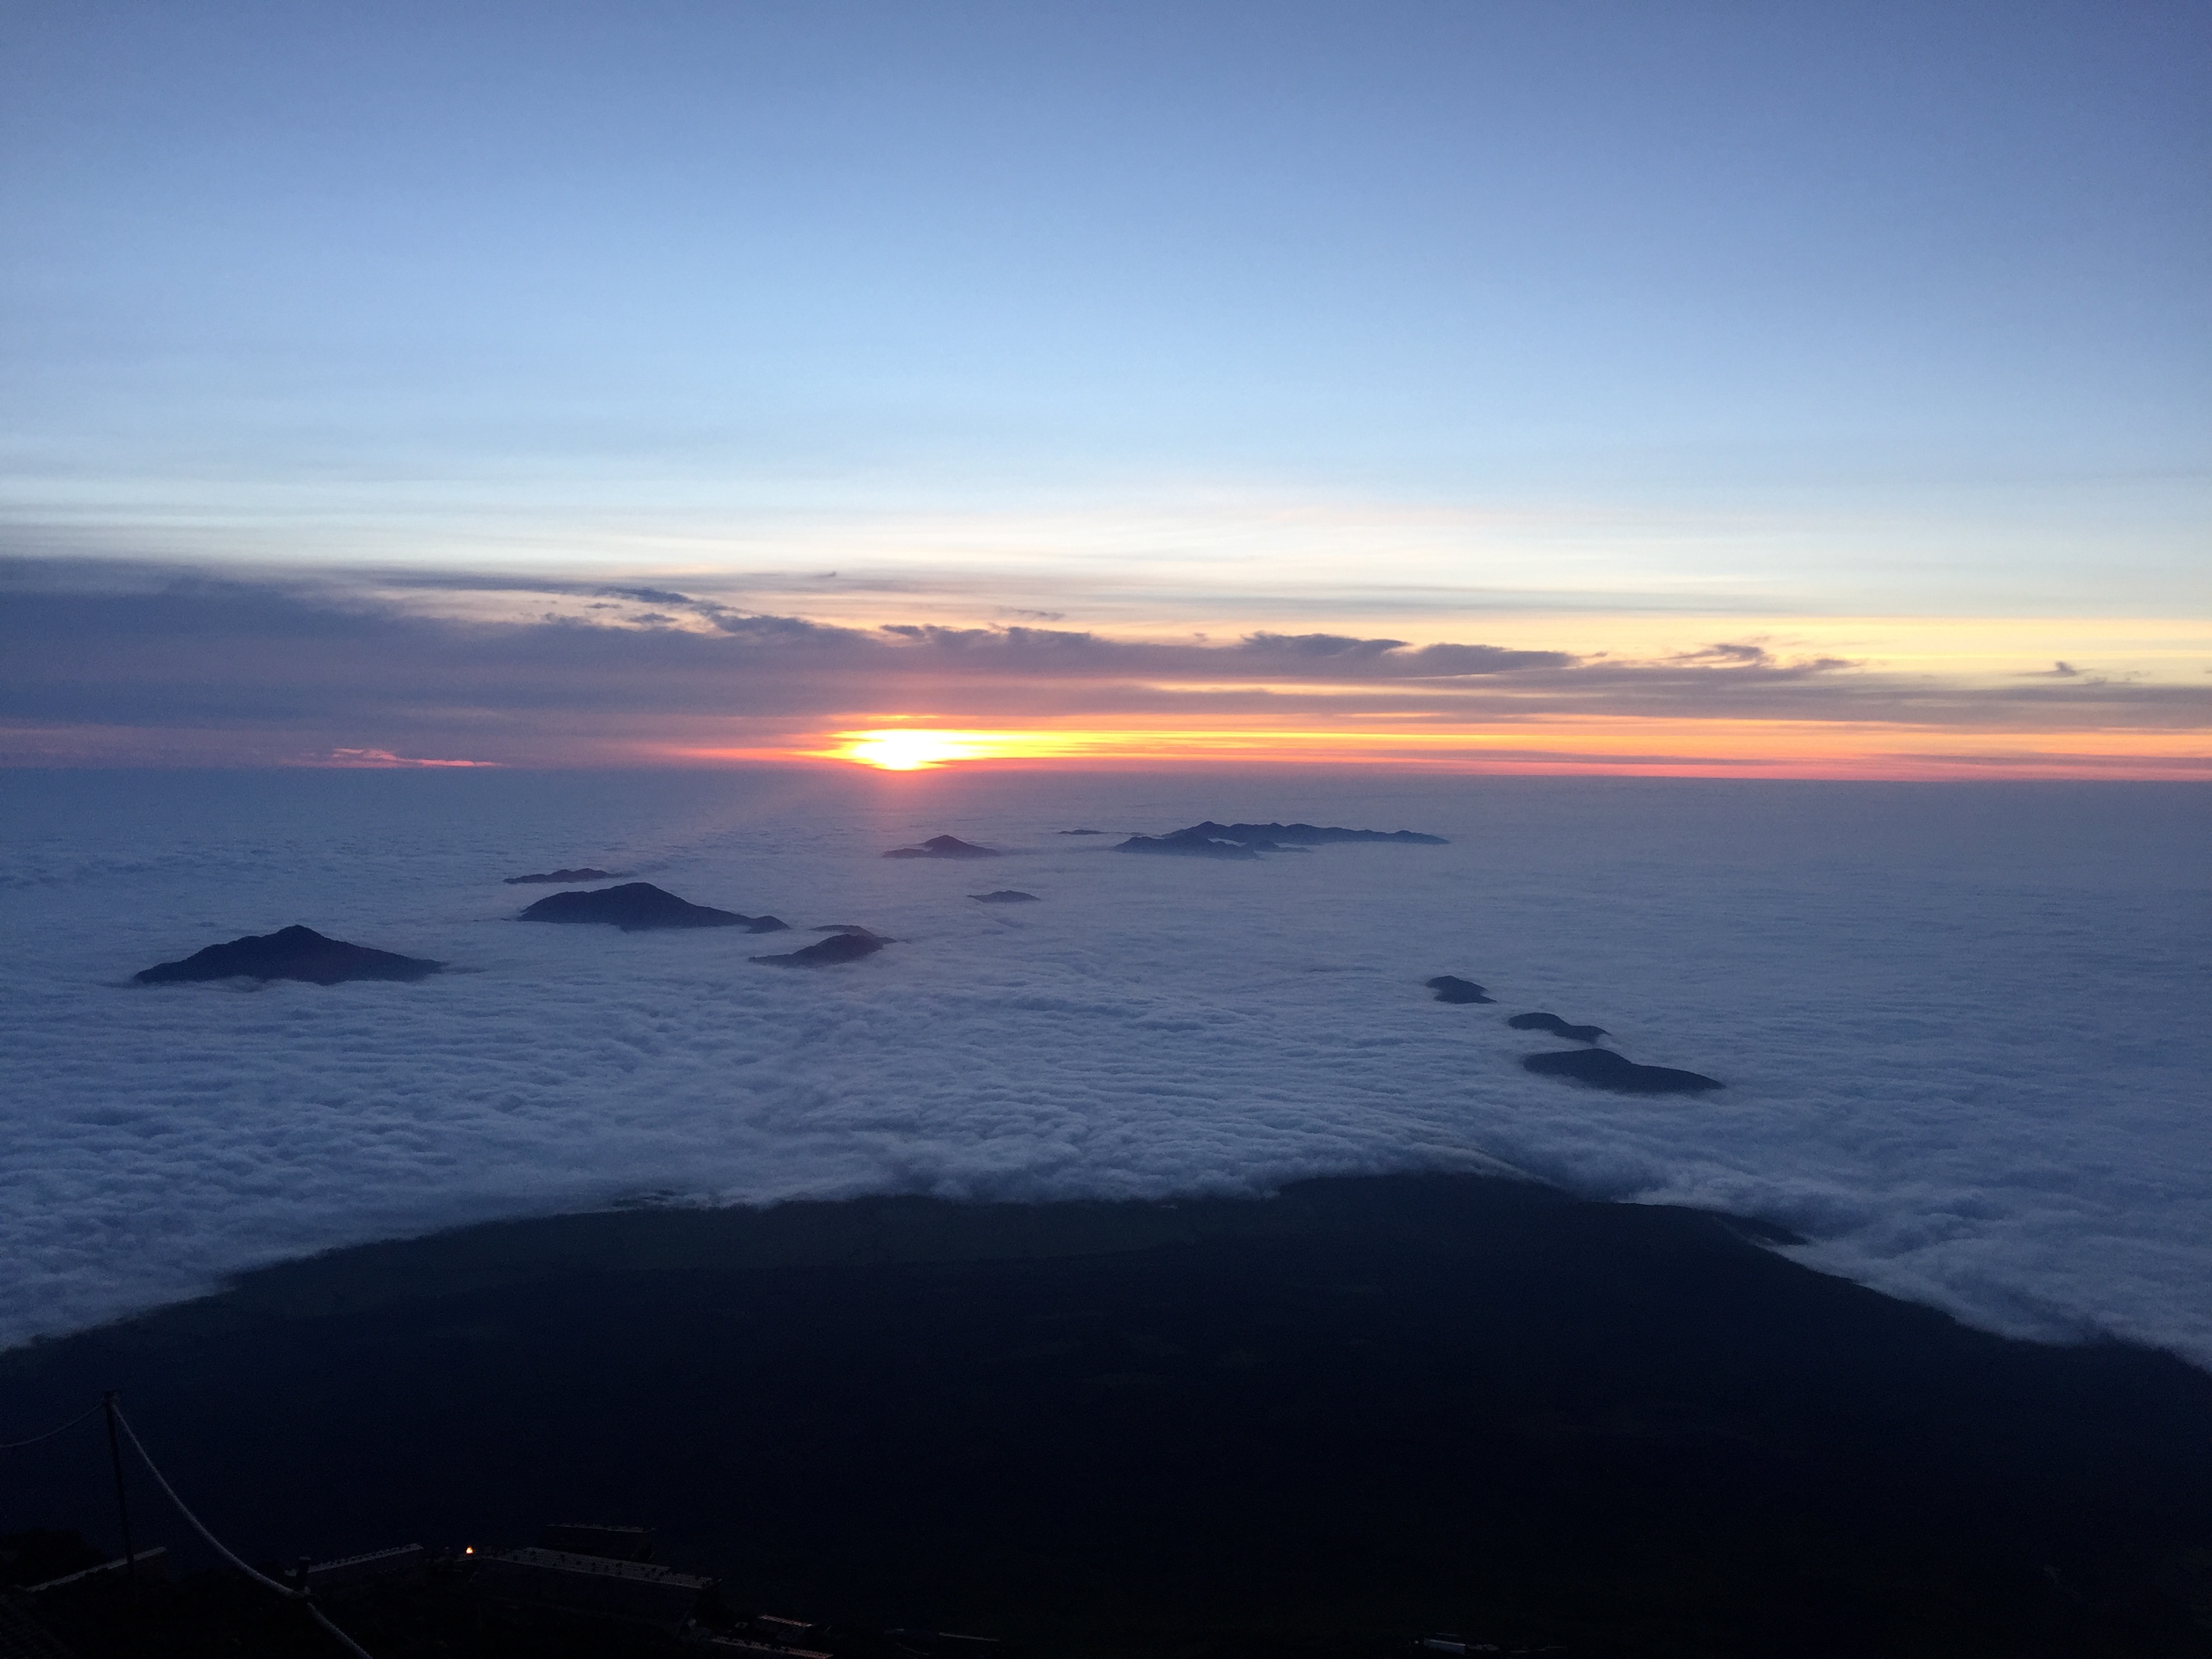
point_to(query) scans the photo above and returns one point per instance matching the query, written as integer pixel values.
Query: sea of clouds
(1964, 1027)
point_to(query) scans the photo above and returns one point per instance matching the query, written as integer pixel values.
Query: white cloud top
(1962, 1026)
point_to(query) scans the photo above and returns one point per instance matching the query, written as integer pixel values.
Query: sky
(1776, 390)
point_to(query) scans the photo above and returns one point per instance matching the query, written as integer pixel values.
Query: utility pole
(122, 1502)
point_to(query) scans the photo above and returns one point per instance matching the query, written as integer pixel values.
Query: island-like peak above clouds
(294, 952)
(1450, 988)
(1186, 843)
(1557, 1026)
(1210, 839)
(841, 946)
(639, 905)
(942, 846)
(559, 876)
(1306, 835)
(1602, 1068)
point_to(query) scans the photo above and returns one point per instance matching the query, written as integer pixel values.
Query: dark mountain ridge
(1307, 835)
(638, 906)
(942, 846)
(1602, 1068)
(294, 952)
(1210, 839)
(841, 946)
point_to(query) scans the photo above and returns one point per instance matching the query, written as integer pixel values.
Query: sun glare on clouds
(913, 751)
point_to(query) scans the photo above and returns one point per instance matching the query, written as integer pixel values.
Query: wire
(351, 1646)
(215, 1543)
(220, 1548)
(13, 1445)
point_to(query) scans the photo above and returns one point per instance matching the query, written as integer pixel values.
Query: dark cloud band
(355, 663)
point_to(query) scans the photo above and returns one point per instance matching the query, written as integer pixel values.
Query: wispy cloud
(376, 760)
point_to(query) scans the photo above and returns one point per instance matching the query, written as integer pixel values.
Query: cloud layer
(110, 662)
(1961, 1027)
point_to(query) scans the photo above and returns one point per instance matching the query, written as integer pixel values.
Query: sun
(914, 748)
(908, 751)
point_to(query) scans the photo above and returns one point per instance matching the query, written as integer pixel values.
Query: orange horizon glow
(1557, 745)
(1650, 748)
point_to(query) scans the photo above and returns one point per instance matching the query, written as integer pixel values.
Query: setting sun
(915, 750)
(912, 751)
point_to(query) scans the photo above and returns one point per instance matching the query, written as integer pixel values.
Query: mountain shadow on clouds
(1450, 988)
(1602, 1068)
(1301, 1427)
(1557, 1027)
(559, 876)
(838, 947)
(637, 905)
(294, 952)
(942, 846)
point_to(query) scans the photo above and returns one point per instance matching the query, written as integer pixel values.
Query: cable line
(13, 1445)
(221, 1549)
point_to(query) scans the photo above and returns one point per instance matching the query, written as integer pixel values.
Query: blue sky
(1214, 317)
